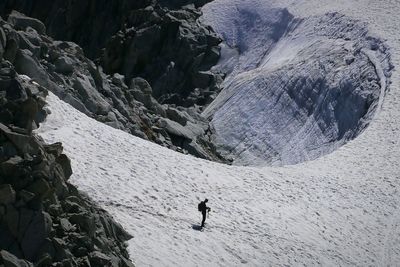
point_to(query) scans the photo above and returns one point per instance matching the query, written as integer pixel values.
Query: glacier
(341, 209)
(295, 88)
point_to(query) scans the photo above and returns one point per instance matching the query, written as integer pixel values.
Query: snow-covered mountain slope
(338, 210)
(341, 210)
(296, 88)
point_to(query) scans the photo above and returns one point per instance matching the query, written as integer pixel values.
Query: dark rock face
(170, 50)
(44, 220)
(160, 41)
(165, 63)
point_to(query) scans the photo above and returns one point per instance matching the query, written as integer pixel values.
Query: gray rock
(92, 98)
(61, 251)
(118, 80)
(15, 91)
(9, 260)
(141, 85)
(65, 163)
(203, 79)
(24, 143)
(12, 46)
(25, 43)
(20, 21)
(11, 166)
(40, 187)
(64, 65)
(7, 194)
(85, 222)
(66, 225)
(181, 117)
(76, 103)
(99, 259)
(36, 234)
(26, 64)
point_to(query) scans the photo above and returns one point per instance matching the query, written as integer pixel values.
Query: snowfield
(341, 209)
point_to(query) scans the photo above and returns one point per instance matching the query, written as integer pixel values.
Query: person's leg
(204, 219)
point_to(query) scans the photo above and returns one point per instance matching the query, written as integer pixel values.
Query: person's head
(206, 200)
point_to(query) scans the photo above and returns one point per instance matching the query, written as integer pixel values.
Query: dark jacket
(203, 207)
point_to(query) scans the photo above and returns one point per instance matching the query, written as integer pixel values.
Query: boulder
(36, 234)
(24, 143)
(26, 64)
(12, 46)
(9, 260)
(15, 91)
(191, 131)
(92, 99)
(21, 22)
(25, 43)
(65, 164)
(99, 259)
(76, 103)
(40, 187)
(181, 117)
(11, 167)
(64, 65)
(141, 85)
(66, 226)
(85, 222)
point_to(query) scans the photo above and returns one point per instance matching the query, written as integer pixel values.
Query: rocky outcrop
(161, 41)
(44, 220)
(171, 50)
(124, 102)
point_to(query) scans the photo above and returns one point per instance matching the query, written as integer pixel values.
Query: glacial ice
(296, 88)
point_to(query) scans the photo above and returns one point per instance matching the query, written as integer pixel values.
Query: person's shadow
(196, 227)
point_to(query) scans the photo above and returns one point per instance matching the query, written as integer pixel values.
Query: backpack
(199, 206)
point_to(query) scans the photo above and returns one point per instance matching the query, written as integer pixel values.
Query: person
(203, 208)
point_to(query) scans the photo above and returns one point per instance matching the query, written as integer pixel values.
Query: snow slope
(339, 210)
(296, 88)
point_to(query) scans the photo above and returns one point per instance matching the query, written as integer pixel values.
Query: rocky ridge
(44, 220)
(149, 69)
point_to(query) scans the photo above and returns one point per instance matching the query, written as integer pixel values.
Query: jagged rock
(11, 167)
(76, 103)
(141, 85)
(99, 259)
(190, 131)
(181, 117)
(7, 194)
(11, 46)
(66, 225)
(26, 64)
(40, 187)
(93, 101)
(34, 193)
(24, 143)
(85, 221)
(9, 260)
(15, 91)
(65, 163)
(36, 234)
(25, 43)
(64, 65)
(21, 22)
(55, 149)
